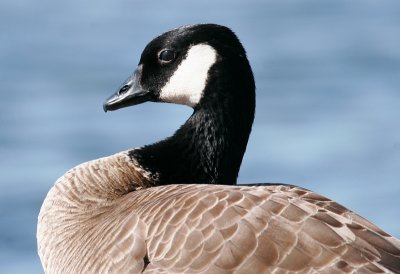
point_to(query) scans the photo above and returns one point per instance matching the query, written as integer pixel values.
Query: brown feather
(101, 217)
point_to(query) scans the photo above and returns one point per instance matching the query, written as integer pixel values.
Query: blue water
(328, 97)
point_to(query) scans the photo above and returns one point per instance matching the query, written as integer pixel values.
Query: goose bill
(130, 93)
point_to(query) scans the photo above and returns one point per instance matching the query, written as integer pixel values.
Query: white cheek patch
(187, 84)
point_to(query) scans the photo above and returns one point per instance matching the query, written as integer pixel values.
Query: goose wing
(257, 229)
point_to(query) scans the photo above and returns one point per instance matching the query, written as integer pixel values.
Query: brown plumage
(93, 222)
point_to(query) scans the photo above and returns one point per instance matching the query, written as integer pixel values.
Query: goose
(174, 206)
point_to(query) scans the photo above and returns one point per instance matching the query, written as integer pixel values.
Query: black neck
(210, 146)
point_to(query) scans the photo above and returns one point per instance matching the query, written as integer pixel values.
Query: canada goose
(172, 207)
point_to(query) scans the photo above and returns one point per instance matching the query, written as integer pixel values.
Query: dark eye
(166, 56)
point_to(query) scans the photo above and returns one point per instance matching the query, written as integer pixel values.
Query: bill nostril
(124, 89)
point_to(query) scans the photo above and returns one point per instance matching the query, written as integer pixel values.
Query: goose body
(173, 206)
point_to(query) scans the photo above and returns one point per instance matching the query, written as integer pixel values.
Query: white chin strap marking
(187, 84)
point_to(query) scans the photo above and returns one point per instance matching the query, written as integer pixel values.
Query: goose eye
(166, 56)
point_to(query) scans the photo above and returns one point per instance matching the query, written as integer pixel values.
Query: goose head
(205, 67)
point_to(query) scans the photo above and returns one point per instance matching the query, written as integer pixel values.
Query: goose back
(197, 228)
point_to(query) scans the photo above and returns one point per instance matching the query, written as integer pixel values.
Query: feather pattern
(86, 226)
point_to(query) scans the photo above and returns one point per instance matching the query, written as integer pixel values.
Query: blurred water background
(328, 98)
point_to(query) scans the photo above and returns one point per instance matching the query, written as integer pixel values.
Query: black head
(203, 66)
(176, 66)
